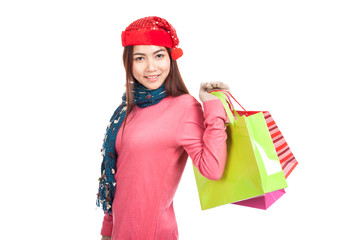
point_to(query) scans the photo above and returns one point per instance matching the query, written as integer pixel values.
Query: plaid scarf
(143, 97)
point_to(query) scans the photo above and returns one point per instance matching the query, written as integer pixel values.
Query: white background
(62, 77)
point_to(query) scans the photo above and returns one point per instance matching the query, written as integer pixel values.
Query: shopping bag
(287, 159)
(262, 202)
(252, 166)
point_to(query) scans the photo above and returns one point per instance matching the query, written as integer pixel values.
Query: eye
(160, 55)
(139, 59)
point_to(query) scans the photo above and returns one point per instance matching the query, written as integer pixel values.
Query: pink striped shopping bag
(286, 157)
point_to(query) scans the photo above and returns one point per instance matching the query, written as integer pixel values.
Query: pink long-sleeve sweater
(156, 145)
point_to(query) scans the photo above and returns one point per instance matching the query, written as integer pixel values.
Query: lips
(152, 77)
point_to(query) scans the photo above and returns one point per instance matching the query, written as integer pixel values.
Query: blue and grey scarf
(143, 97)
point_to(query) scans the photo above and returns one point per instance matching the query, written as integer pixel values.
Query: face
(151, 65)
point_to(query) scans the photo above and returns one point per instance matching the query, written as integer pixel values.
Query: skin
(151, 65)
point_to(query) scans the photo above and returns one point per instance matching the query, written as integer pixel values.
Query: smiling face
(151, 65)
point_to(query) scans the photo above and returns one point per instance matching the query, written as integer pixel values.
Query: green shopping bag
(252, 165)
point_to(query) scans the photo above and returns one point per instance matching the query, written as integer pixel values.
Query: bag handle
(224, 99)
(229, 98)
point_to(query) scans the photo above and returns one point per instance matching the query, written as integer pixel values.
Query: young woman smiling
(163, 126)
(151, 65)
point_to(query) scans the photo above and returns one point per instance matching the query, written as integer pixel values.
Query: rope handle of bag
(216, 90)
(228, 106)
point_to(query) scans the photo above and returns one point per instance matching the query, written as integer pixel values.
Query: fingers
(203, 85)
(215, 84)
(208, 86)
(221, 85)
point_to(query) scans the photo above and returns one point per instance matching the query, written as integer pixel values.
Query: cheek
(136, 70)
(166, 66)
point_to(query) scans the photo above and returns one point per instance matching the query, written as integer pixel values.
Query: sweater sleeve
(203, 136)
(107, 225)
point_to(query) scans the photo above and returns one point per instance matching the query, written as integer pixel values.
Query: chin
(154, 85)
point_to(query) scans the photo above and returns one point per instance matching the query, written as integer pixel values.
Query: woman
(144, 158)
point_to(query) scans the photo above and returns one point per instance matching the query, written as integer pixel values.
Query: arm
(107, 227)
(203, 136)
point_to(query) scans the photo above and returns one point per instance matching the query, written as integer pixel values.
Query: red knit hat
(152, 31)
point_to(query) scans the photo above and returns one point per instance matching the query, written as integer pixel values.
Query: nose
(151, 66)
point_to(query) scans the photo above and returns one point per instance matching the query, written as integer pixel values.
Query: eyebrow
(142, 54)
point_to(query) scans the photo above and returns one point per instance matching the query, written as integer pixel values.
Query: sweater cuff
(107, 225)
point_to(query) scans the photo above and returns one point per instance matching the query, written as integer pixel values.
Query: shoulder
(187, 100)
(188, 105)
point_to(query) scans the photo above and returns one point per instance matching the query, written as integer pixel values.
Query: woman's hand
(106, 238)
(206, 87)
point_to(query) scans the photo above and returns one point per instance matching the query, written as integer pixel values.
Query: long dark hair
(174, 84)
